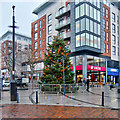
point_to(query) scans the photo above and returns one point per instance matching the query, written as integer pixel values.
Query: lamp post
(63, 74)
(13, 85)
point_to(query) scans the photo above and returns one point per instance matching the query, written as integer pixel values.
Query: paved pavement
(82, 104)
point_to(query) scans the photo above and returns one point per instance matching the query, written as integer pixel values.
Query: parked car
(6, 83)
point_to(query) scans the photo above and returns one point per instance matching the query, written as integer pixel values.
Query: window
(117, 19)
(87, 24)
(98, 15)
(61, 10)
(40, 53)
(118, 41)
(9, 51)
(25, 39)
(43, 50)
(49, 18)
(43, 29)
(99, 43)
(35, 36)
(83, 24)
(49, 39)
(95, 28)
(4, 45)
(95, 42)
(26, 46)
(91, 24)
(104, 47)
(40, 23)
(77, 40)
(40, 43)
(82, 39)
(35, 54)
(91, 40)
(95, 14)
(35, 26)
(77, 26)
(98, 29)
(118, 30)
(106, 13)
(113, 50)
(107, 24)
(107, 48)
(107, 36)
(87, 39)
(49, 29)
(18, 38)
(91, 12)
(40, 33)
(43, 39)
(113, 28)
(113, 39)
(113, 17)
(43, 19)
(82, 9)
(77, 12)
(35, 45)
(87, 10)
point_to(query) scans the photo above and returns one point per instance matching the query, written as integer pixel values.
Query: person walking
(87, 84)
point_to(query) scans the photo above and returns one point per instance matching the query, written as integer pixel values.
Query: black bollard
(102, 98)
(17, 97)
(36, 97)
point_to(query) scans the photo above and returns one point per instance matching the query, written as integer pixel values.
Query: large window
(61, 10)
(49, 29)
(49, 18)
(40, 43)
(113, 39)
(77, 40)
(95, 28)
(35, 26)
(87, 24)
(91, 24)
(113, 50)
(117, 19)
(82, 9)
(40, 53)
(83, 24)
(35, 45)
(35, 36)
(99, 43)
(87, 10)
(91, 12)
(118, 30)
(113, 28)
(113, 17)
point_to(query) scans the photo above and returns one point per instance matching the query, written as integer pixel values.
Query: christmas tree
(53, 63)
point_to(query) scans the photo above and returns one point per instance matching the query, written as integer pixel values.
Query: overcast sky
(23, 15)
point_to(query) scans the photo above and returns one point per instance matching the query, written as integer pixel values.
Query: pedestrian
(87, 84)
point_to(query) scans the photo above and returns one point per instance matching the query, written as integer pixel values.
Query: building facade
(22, 43)
(87, 28)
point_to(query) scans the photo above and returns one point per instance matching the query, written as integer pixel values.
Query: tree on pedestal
(53, 63)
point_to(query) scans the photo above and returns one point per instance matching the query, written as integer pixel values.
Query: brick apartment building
(22, 42)
(88, 28)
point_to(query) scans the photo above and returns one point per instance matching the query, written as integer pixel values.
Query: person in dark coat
(87, 84)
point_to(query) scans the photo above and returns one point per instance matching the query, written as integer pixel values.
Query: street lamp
(63, 74)
(13, 86)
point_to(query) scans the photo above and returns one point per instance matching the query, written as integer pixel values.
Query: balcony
(66, 35)
(62, 24)
(62, 13)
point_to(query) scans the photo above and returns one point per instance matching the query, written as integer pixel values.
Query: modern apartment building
(87, 28)
(22, 42)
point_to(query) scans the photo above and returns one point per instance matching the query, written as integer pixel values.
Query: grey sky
(23, 14)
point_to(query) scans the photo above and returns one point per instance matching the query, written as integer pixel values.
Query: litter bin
(13, 91)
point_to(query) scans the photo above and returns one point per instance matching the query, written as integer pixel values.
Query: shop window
(79, 60)
(89, 60)
(96, 61)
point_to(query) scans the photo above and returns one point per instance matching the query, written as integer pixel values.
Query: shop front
(113, 75)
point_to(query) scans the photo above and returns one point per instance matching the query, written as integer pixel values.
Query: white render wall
(114, 9)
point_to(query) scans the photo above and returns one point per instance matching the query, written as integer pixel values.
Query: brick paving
(55, 111)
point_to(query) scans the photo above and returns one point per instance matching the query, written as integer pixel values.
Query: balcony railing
(62, 24)
(66, 35)
(64, 10)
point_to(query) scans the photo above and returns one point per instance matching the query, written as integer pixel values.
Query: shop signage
(112, 71)
(90, 67)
